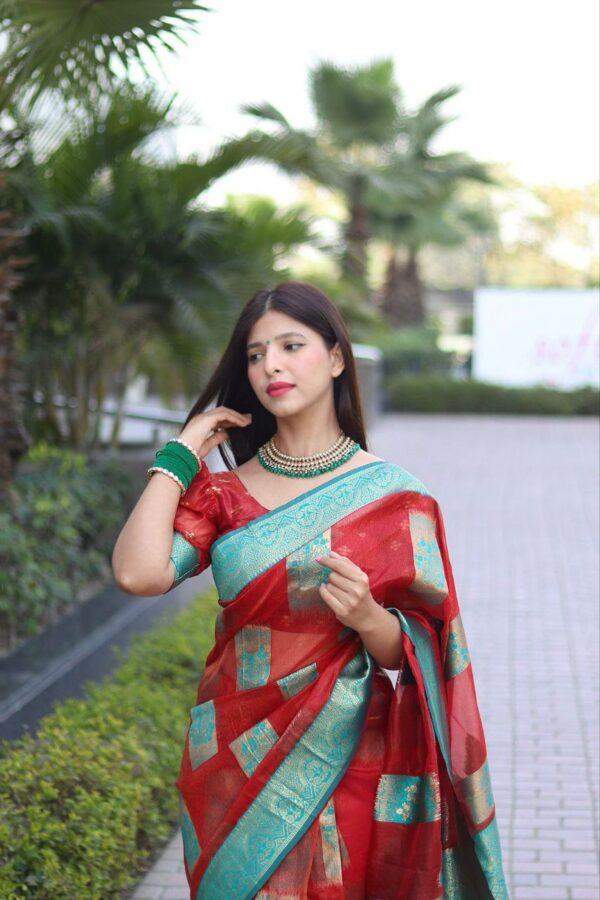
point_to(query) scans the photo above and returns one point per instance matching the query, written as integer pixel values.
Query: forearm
(141, 555)
(382, 636)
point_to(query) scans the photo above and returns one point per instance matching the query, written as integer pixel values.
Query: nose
(271, 359)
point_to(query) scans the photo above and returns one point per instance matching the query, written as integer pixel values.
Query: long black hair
(229, 385)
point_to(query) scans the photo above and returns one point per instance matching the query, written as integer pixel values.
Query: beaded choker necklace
(271, 458)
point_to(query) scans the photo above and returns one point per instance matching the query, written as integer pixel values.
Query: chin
(283, 411)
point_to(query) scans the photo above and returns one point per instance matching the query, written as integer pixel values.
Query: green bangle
(175, 466)
(179, 461)
(184, 451)
(183, 443)
(154, 469)
(176, 450)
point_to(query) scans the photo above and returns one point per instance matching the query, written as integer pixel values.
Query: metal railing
(166, 423)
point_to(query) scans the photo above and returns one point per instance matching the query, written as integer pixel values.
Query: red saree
(305, 772)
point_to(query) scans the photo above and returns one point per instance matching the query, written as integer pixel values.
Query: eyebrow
(285, 334)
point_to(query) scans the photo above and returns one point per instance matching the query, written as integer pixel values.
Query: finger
(223, 414)
(336, 591)
(337, 563)
(234, 423)
(341, 581)
(332, 601)
(343, 559)
(214, 440)
(234, 412)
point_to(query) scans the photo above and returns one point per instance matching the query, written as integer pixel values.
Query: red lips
(279, 387)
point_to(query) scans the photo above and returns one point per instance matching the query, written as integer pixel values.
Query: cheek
(310, 365)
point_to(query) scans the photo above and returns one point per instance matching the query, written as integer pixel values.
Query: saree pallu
(305, 772)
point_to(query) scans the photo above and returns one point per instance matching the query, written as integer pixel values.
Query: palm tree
(77, 48)
(358, 112)
(437, 217)
(125, 258)
(378, 157)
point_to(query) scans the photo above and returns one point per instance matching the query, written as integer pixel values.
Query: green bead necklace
(271, 458)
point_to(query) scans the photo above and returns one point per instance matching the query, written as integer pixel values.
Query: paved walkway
(520, 502)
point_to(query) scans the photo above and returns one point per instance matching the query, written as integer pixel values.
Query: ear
(337, 361)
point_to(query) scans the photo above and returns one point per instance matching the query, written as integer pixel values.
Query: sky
(528, 72)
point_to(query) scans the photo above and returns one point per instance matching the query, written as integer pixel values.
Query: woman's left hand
(347, 591)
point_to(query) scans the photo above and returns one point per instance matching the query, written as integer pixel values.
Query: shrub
(84, 803)
(445, 395)
(57, 533)
(412, 351)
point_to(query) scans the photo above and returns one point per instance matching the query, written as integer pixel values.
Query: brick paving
(520, 502)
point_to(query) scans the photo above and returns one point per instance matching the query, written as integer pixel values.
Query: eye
(253, 356)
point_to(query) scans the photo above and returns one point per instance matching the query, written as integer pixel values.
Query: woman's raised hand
(207, 429)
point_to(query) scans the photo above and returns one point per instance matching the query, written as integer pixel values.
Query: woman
(306, 773)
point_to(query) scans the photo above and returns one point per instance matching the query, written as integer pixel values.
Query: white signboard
(536, 336)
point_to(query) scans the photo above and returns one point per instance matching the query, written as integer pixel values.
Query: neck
(307, 437)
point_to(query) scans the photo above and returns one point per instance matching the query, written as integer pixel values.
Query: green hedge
(57, 533)
(411, 352)
(431, 394)
(85, 802)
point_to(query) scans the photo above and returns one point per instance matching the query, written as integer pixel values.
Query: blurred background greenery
(114, 268)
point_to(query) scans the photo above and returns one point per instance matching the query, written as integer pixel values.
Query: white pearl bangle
(154, 469)
(188, 446)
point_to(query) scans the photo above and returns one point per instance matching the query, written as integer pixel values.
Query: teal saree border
(296, 792)
(305, 494)
(487, 841)
(489, 853)
(271, 537)
(184, 557)
(425, 655)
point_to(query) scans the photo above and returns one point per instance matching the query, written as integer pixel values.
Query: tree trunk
(14, 440)
(122, 383)
(100, 394)
(402, 294)
(354, 259)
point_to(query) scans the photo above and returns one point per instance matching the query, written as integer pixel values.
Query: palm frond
(357, 105)
(294, 152)
(265, 111)
(132, 116)
(422, 126)
(73, 44)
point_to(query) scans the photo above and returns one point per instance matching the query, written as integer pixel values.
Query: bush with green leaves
(57, 532)
(412, 351)
(85, 802)
(430, 394)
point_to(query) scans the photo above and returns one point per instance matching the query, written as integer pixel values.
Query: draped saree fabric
(305, 772)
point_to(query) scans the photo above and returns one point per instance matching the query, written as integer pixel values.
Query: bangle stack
(179, 461)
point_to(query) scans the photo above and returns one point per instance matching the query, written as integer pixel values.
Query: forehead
(273, 323)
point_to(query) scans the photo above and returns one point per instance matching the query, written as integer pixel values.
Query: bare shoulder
(361, 456)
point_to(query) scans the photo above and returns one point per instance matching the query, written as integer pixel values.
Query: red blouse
(214, 503)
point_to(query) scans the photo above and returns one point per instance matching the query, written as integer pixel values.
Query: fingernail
(318, 558)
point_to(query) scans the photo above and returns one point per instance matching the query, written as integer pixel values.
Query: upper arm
(195, 528)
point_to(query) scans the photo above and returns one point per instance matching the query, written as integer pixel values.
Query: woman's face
(281, 348)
